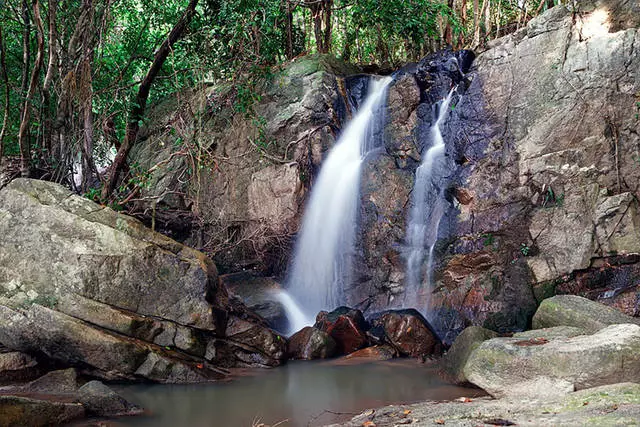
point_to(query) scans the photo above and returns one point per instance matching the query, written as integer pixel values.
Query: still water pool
(298, 394)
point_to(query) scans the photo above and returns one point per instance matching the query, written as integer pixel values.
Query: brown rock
(408, 332)
(311, 343)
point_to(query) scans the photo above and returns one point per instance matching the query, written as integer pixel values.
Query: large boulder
(408, 332)
(543, 366)
(311, 343)
(456, 357)
(100, 401)
(89, 287)
(572, 310)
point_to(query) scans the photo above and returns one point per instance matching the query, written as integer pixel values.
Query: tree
(140, 102)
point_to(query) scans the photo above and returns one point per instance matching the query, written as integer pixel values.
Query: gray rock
(456, 357)
(56, 243)
(617, 404)
(100, 401)
(551, 333)
(537, 367)
(572, 310)
(19, 411)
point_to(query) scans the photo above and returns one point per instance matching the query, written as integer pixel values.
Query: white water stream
(322, 258)
(427, 208)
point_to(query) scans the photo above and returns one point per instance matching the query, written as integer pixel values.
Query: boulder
(408, 332)
(55, 382)
(19, 411)
(100, 401)
(254, 344)
(56, 242)
(539, 366)
(373, 353)
(572, 310)
(311, 343)
(346, 326)
(92, 288)
(109, 355)
(456, 357)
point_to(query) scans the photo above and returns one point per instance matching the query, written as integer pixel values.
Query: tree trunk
(140, 101)
(289, 30)
(23, 135)
(328, 25)
(48, 79)
(5, 80)
(448, 31)
(88, 166)
(476, 24)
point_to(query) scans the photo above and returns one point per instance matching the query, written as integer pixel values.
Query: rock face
(16, 366)
(540, 183)
(571, 310)
(542, 367)
(89, 287)
(311, 343)
(249, 200)
(408, 332)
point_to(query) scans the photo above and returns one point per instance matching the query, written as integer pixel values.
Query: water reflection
(300, 392)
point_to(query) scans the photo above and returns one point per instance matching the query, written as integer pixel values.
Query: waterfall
(322, 257)
(427, 208)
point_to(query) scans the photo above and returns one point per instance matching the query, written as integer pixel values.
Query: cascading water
(322, 258)
(427, 208)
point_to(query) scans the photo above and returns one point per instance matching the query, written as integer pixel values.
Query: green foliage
(525, 249)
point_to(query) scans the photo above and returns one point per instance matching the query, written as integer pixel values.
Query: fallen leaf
(368, 424)
(499, 422)
(407, 411)
(199, 366)
(585, 403)
(464, 399)
(439, 421)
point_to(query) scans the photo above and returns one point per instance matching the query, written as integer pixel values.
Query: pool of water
(298, 394)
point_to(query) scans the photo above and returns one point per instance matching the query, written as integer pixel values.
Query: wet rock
(311, 343)
(456, 357)
(17, 366)
(572, 310)
(376, 352)
(539, 366)
(346, 326)
(100, 401)
(408, 332)
(18, 411)
(255, 344)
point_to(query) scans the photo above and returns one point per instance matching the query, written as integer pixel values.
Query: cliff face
(541, 190)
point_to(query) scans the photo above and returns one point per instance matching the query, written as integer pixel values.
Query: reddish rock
(408, 332)
(311, 343)
(346, 326)
(376, 352)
